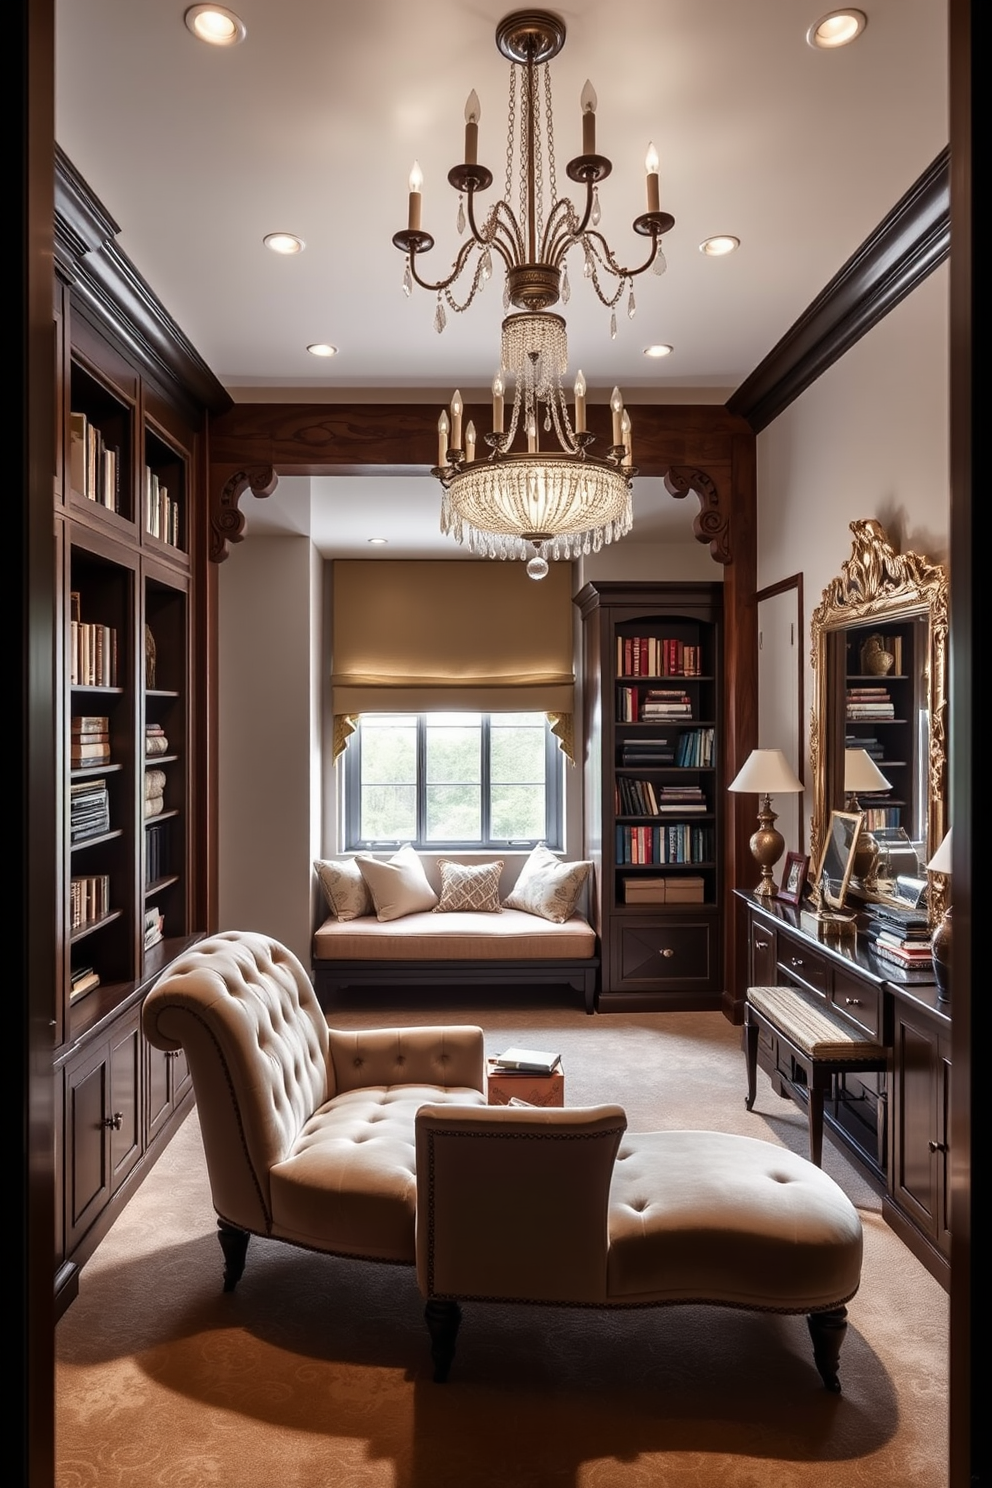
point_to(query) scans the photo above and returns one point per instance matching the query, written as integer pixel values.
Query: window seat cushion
(462, 935)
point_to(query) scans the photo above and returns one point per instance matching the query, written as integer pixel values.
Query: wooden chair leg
(827, 1330)
(751, 1050)
(815, 1117)
(234, 1244)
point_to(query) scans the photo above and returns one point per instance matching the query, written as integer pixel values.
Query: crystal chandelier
(529, 503)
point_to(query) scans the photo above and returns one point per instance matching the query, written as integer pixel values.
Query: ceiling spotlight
(215, 24)
(281, 242)
(718, 245)
(836, 29)
(660, 350)
(322, 348)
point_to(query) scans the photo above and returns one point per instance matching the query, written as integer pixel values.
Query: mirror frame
(878, 584)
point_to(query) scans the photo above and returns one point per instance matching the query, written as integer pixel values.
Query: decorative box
(535, 1090)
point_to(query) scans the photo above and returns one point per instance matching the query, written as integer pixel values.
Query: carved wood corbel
(712, 522)
(227, 521)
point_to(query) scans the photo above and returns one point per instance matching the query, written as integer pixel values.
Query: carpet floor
(316, 1373)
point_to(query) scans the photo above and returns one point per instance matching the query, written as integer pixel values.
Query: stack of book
(154, 792)
(155, 740)
(89, 742)
(900, 936)
(154, 926)
(654, 752)
(89, 809)
(664, 703)
(82, 979)
(869, 703)
(680, 800)
(525, 1062)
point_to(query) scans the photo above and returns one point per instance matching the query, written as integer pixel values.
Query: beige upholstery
(308, 1133)
(465, 935)
(564, 1206)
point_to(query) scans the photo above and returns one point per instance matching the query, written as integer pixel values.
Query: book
(526, 1062)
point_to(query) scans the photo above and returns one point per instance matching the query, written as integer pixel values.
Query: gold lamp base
(767, 846)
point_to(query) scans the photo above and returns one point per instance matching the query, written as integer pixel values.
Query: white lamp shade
(861, 772)
(766, 772)
(941, 860)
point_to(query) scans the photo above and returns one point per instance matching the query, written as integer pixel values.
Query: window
(453, 780)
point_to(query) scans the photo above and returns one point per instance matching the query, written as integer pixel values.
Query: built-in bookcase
(884, 714)
(164, 479)
(654, 803)
(101, 422)
(166, 782)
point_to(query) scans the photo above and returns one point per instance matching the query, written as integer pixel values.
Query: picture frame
(794, 876)
(833, 872)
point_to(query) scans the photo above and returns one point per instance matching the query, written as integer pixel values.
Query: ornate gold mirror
(878, 729)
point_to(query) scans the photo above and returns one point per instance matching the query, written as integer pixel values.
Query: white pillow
(398, 887)
(344, 887)
(548, 887)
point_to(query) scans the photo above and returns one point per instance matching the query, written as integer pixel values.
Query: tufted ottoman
(566, 1208)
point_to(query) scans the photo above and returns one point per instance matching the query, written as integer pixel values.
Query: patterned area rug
(316, 1373)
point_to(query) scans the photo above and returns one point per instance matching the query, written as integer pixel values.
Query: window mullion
(485, 744)
(421, 777)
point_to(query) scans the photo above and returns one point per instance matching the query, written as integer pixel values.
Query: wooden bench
(821, 1042)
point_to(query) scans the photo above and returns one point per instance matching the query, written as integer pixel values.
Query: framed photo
(833, 873)
(793, 878)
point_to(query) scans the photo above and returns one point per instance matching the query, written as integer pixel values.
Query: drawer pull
(795, 961)
(937, 1146)
(115, 1122)
(761, 945)
(852, 1001)
(668, 953)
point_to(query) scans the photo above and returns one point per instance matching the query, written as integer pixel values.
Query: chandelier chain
(550, 131)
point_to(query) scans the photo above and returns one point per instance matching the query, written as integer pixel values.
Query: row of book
(156, 852)
(89, 809)
(154, 927)
(89, 898)
(657, 656)
(870, 702)
(161, 510)
(644, 798)
(89, 740)
(637, 705)
(677, 842)
(94, 466)
(92, 654)
(690, 749)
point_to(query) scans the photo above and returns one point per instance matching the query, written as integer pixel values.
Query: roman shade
(419, 636)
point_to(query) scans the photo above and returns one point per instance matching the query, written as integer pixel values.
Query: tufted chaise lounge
(308, 1133)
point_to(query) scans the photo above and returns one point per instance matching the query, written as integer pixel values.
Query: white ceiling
(311, 125)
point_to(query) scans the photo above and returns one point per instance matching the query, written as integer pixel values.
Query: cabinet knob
(852, 1001)
(668, 953)
(115, 1122)
(172, 1053)
(937, 1146)
(795, 960)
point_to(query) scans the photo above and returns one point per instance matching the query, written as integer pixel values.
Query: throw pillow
(398, 887)
(469, 886)
(344, 887)
(548, 887)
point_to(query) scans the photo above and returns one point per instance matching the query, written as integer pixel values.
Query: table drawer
(798, 963)
(858, 1001)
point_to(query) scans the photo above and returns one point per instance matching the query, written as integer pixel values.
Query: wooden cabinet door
(918, 1148)
(102, 1125)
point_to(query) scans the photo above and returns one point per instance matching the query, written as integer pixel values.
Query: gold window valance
(416, 635)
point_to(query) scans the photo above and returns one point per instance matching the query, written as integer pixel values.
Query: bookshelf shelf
(651, 671)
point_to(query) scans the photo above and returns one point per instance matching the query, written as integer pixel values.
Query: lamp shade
(861, 772)
(941, 860)
(766, 772)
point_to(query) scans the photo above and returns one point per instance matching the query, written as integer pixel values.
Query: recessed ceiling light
(660, 350)
(281, 242)
(215, 24)
(322, 348)
(836, 28)
(718, 245)
(379, 540)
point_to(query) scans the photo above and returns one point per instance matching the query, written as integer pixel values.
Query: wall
(870, 438)
(268, 738)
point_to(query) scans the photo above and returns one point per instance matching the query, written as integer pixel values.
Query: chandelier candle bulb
(580, 404)
(413, 214)
(456, 421)
(442, 439)
(473, 114)
(588, 102)
(616, 406)
(497, 404)
(625, 438)
(469, 442)
(532, 435)
(654, 188)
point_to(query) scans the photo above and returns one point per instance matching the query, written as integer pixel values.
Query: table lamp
(862, 774)
(767, 773)
(940, 941)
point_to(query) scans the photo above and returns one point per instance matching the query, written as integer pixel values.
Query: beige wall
(268, 738)
(870, 438)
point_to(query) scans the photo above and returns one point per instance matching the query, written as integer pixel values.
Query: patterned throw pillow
(465, 886)
(344, 887)
(548, 887)
(398, 887)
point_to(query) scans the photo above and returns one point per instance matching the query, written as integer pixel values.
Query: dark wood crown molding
(906, 246)
(106, 284)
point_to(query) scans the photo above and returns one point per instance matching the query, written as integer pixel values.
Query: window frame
(554, 792)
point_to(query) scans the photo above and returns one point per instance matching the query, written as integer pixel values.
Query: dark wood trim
(906, 246)
(31, 531)
(108, 288)
(795, 581)
(970, 1440)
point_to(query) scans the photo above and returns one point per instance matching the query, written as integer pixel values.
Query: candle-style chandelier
(533, 504)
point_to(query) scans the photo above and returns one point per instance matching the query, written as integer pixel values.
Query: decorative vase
(875, 660)
(940, 948)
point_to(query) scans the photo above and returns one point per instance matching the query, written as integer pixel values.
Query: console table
(894, 1121)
